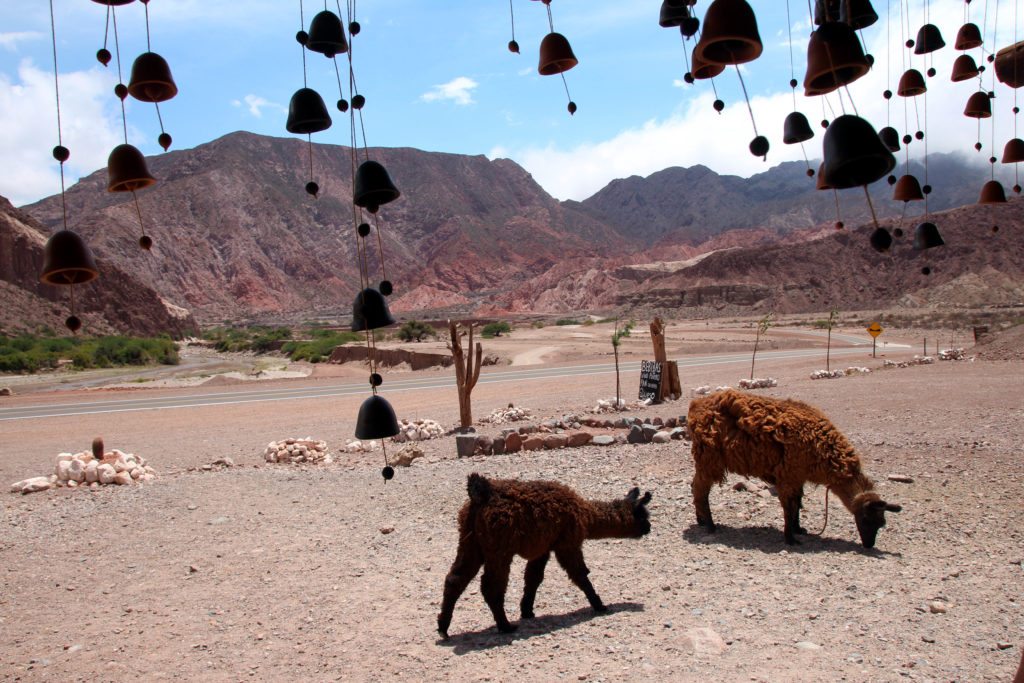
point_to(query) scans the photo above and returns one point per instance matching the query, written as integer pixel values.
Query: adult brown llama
(506, 517)
(786, 443)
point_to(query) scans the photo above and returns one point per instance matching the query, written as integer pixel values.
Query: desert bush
(31, 354)
(567, 321)
(319, 348)
(495, 329)
(414, 330)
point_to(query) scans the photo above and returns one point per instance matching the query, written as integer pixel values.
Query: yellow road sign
(874, 329)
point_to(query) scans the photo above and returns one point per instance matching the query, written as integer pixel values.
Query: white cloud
(90, 122)
(459, 90)
(257, 104)
(9, 41)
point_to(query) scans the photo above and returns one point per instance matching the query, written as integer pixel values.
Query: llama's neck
(848, 490)
(609, 520)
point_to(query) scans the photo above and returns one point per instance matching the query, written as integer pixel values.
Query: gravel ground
(281, 572)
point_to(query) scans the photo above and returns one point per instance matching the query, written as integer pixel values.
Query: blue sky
(437, 76)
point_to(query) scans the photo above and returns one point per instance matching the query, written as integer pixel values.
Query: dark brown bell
(113, 3)
(968, 37)
(151, 79)
(907, 189)
(992, 193)
(926, 236)
(673, 14)
(1013, 152)
(1009, 65)
(370, 311)
(911, 84)
(326, 35)
(854, 154)
(826, 11)
(555, 55)
(796, 129)
(890, 138)
(964, 68)
(821, 183)
(730, 34)
(881, 240)
(67, 260)
(307, 113)
(376, 419)
(978, 106)
(929, 39)
(857, 14)
(127, 171)
(834, 58)
(373, 186)
(700, 69)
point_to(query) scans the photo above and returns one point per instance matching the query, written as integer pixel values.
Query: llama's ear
(646, 499)
(633, 494)
(893, 507)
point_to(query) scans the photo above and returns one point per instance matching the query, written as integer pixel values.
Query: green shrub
(567, 321)
(414, 330)
(495, 329)
(31, 354)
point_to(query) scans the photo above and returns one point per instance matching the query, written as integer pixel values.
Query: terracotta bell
(1009, 64)
(964, 68)
(968, 37)
(911, 84)
(821, 183)
(826, 11)
(929, 39)
(890, 138)
(926, 236)
(700, 69)
(113, 3)
(673, 14)
(857, 13)
(307, 113)
(556, 55)
(376, 419)
(992, 193)
(796, 129)
(854, 154)
(834, 58)
(126, 170)
(730, 34)
(370, 311)
(67, 260)
(907, 189)
(978, 106)
(1013, 152)
(151, 79)
(326, 35)
(373, 186)
(881, 240)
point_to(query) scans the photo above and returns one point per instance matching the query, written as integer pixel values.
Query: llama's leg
(791, 513)
(467, 563)
(701, 487)
(799, 507)
(534, 575)
(493, 585)
(572, 562)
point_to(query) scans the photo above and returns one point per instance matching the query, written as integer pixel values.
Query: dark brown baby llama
(505, 517)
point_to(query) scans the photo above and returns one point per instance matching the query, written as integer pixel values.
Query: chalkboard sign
(650, 379)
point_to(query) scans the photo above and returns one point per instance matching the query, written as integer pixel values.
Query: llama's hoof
(507, 628)
(600, 609)
(802, 531)
(442, 626)
(792, 541)
(527, 614)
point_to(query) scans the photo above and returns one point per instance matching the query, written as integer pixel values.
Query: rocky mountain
(114, 303)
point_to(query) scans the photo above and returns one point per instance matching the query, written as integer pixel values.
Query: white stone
(136, 473)
(120, 466)
(122, 478)
(64, 456)
(76, 470)
(705, 641)
(106, 473)
(63, 470)
(31, 485)
(72, 484)
(92, 472)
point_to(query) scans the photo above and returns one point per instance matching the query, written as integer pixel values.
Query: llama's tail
(479, 489)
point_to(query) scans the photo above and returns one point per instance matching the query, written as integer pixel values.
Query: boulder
(636, 435)
(661, 437)
(31, 485)
(603, 440)
(498, 445)
(533, 443)
(465, 445)
(105, 473)
(405, 456)
(554, 441)
(513, 443)
(579, 439)
(649, 431)
(123, 478)
(484, 445)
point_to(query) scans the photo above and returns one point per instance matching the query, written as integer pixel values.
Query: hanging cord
(60, 138)
(302, 48)
(117, 52)
(138, 212)
(149, 47)
(512, 14)
(874, 218)
(825, 525)
(747, 99)
(926, 136)
(106, 27)
(888, 61)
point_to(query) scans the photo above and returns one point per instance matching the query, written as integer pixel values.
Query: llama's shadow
(485, 639)
(768, 540)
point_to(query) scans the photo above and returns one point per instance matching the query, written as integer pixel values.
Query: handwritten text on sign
(650, 379)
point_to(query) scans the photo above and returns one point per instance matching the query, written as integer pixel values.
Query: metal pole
(874, 342)
(926, 346)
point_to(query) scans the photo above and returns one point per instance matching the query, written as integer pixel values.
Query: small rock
(193, 506)
(533, 443)
(636, 435)
(928, 639)
(807, 645)
(1002, 645)
(513, 443)
(123, 478)
(661, 437)
(603, 440)
(704, 641)
(192, 569)
(387, 530)
(936, 607)
(465, 445)
(902, 478)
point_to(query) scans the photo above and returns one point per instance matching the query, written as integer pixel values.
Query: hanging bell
(151, 79)
(1009, 65)
(826, 11)
(907, 189)
(834, 58)
(730, 34)
(911, 84)
(890, 138)
(964, 68)
(978, 106)
(67, 260)
(673, 14)
(881, 240)
(854, 154)
(370, 311)
(373, 186)
(821, 183)
(113, 3)
(555, 55)
(857, 14)
(1013, 152)
(307, 113)
(929, 39)
(968, 37)
(796, 128)
(927, 236)
(326, 35)
(376, 419)
(126, 170)
(700, 69)
(992, 193)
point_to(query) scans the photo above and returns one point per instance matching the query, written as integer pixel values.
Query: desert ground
(275, 572)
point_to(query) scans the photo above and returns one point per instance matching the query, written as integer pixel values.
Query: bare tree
(762, 327)
(833, 316)
(616, 340)
(467, 368)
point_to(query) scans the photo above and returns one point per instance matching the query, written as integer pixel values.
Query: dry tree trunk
(467, 369)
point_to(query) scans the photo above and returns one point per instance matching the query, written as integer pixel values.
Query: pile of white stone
(501, 416)
(83, 470)
(952, 354)
(608, 405)
(916, 360)
(854, 370)
(827, 374)
(418, 430)
(707, 389)
(758, 383)
(305, 450)
(357, 446)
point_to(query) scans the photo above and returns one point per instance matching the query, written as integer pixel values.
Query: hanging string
(302, 27)
(746, 98)
(888, 61)
(551, 23)
(138, 212)
(106, 27)
(513, 16)
(149, 47)
(60, 137)
(874, 218)
(926, 136)
(117, 52)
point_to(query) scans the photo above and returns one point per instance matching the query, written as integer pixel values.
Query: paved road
(246, 395)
